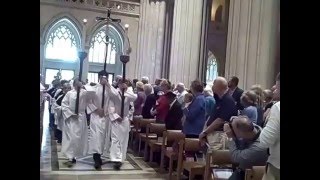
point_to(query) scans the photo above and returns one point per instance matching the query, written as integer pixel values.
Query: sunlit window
(63, 41)
(212, 69)
(97, 51)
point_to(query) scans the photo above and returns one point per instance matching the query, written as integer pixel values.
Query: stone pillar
(84, 47)
(150, 39)
(42, 44)
(167, 39)
(251, 41)
(185, 46)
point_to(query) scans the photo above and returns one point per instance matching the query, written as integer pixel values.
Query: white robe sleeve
(57, 111)
(91, 97)
(131, 96)
(113, 115)
(66, 111)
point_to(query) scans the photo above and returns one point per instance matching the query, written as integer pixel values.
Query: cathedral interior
(179, 40)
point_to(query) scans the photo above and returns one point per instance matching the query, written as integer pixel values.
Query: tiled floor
(52, 168)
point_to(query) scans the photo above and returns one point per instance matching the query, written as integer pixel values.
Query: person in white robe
(75, 128)
(120, 127)
(100, 128)
(59, 121)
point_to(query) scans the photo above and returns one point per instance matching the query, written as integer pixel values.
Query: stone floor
(52, 168)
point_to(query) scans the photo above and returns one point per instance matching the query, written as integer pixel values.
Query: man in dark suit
(235, 91)
(174, 116)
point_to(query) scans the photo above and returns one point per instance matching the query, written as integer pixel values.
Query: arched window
(212, 69)
(63, 41)
(97, 49)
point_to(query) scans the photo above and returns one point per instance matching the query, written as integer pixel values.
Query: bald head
(242, 125)
(220, 86)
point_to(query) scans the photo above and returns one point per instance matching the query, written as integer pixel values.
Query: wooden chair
(256, 173)
(168, 139)
(194, 168)
(142, 136)
(135, 129)
(154, 144)
(216, 158)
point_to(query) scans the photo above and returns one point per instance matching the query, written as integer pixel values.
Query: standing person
(270, 138)
(120, 127)
(116, 81)
(51, 92)
(100, 127)
(139, 102)
(59, 121)
(162, 104)
(225, 108)
(235, 91)
(75, 130)
(145, 80)
(149, 103)
(181, 92)
(249, 101)
(174, 116)
(195, 112)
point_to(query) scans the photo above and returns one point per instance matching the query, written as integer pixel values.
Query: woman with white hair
(139, 102)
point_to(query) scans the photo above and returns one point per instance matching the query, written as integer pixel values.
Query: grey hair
(148, 89)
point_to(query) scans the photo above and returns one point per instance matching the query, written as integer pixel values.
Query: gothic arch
(116, 28)
(78, 25)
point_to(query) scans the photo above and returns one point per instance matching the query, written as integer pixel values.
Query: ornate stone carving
(131, 8)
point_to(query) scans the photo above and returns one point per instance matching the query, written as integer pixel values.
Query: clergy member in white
(120, 128)
(58, 117)
(75, 128)
(100, 127)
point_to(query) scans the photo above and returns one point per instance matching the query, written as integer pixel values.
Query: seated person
(244, 145)
(249, 101)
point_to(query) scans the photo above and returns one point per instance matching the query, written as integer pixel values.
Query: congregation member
(162, 104)
(259, 92)
(188, 98)
(195, 112)
(141, 98)
(225, 108)
(235, 91)
(181, 91)
(249, 101)
(270, 138)
(175, 113)
(244, 145)
(149, 103)
(145, 80)
(75, 129)
(120, 127)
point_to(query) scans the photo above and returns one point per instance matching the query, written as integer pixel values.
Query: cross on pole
(107, 20)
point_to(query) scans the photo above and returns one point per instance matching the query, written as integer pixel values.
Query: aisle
(51, 167)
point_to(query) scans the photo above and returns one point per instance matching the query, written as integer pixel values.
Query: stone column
(84, 47)
(167, 39)
(185, 46)
(251, 41)
(150, 39)
(42, 44)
